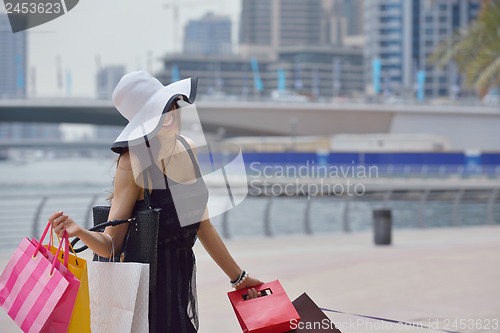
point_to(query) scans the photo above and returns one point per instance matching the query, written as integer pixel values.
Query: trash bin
(382, 226)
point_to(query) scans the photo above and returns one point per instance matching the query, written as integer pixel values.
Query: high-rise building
(209, 35)
(300, 23)
(320, 71)
(267, 25)
(342, 22)
(257, 24)
(313, 71)
(107, 79)
(12, 61)
(230, 74)
(400, 36)
(352, 11)
(284, 48)
(13, 64)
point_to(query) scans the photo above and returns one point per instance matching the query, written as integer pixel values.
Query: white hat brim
(146, 122)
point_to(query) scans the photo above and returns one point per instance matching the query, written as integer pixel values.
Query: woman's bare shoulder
(124, 167)
(125, 161)
(124, 177)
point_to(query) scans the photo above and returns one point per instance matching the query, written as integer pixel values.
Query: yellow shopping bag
(80, 319)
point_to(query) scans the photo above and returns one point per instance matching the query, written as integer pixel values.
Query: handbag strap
(112, 223)
(99, 227)
(147, 194)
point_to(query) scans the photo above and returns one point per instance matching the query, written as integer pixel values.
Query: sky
(118, 31)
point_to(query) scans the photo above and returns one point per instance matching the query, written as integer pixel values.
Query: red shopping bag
(272, 313)
(32, 286)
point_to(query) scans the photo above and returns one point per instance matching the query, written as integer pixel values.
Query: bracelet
(243, 276)
(112, 255)
(239, 277)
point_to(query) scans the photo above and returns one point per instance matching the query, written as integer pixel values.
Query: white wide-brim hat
(143, 100)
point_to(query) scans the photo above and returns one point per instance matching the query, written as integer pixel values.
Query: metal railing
(24, 215)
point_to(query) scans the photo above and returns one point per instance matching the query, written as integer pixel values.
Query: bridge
(465, 126)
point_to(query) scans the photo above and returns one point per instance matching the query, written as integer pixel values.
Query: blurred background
(394, 87)
(396, 100)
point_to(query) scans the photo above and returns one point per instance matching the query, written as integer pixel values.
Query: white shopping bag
(119, 297)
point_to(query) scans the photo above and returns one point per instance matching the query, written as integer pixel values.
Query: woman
(151, 145)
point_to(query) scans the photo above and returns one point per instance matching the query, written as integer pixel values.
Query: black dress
(176, 303)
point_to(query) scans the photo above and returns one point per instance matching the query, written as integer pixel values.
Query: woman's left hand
(248, 284)
(62, 222)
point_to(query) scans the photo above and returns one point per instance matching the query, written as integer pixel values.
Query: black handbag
(141, 242)
(140, 245)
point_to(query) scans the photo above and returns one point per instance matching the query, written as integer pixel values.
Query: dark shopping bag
(272, 313)
(312, 319)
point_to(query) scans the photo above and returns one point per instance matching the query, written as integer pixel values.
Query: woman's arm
(216, 248)
(125, 195)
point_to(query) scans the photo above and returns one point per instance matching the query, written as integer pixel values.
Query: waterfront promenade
(430, 276)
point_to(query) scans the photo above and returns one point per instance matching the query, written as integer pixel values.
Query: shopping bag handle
(42, 239)
(54, 260)
(70, 249)
(65, 255)
(57, 254)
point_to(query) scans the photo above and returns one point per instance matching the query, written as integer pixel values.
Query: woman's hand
(61, 222)
(248, 283)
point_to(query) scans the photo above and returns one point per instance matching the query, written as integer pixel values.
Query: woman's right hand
(61, 222)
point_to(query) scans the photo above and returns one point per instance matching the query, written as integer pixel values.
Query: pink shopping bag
(32, 286)
(60, 319)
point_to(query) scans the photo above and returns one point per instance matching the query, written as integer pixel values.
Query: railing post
(267, 217)
(421, 209)
(88, 215)
(491, 207)
(456, 207)
(38, 211)
(345, 217)
(387, 197)
(307, 217)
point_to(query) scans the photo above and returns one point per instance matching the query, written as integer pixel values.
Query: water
(56, 173)
(75, 185)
